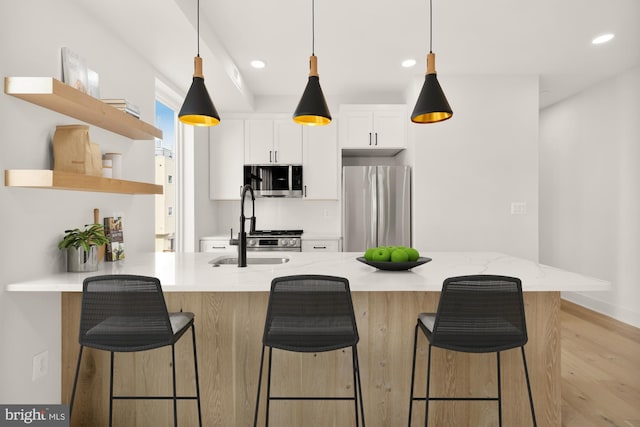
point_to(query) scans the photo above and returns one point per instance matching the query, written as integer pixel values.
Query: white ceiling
(360, 43)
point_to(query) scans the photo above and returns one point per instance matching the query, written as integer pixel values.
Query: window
(176, 213)
(165, 171)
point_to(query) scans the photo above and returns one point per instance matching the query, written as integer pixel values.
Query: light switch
(518, 208)
(40, 365)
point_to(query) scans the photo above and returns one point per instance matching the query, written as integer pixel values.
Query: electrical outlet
(40, 365)
(518, 208)
(325, 213)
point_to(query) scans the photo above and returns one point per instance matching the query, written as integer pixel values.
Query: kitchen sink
(224, 260)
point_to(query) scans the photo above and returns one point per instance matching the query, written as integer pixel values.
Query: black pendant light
(312, 109)
(432, 105)
(197, 109)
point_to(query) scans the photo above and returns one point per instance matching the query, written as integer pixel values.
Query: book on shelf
(114, 231)
(124, 105)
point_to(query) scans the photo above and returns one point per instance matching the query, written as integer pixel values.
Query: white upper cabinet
(320, 165)
(287, 142)
(269, 141)
(226, 159)
(373, 127)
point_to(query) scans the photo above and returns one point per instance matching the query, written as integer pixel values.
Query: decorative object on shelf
(107, 168)
(394, 266)
(73, 151)
(312, 109)
(74, 70)
(198, 109)
(81, 246)
(432, 105)
(116, 164)
(93, 80)
(114, 232)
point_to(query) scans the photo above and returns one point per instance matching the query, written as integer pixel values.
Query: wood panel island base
(230, 308)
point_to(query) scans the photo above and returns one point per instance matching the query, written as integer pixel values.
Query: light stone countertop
(191, 272)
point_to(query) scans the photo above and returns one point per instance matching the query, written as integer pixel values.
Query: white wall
(468, 170)
(31, 35)
(590, 191)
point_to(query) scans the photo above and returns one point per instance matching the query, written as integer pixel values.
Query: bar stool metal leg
(195, 366)
(359, 385)
(255, 416)
(269, 386)
(75, 382)
(526, 374)
(175, 399)
(499, 391)
(426, 408)
(413, 373)
(355, 385)
(111, 393)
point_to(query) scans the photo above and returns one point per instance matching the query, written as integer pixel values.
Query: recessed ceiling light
(602, 38)
(408, 63)
(256, 63)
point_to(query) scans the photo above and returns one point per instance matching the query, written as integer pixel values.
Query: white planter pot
(79, 260)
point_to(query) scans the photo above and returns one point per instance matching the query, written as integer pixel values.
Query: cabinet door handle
(369, 138)
(376, 138)
(305, 191)
(270, 161)
(319, 247)
(275, 155)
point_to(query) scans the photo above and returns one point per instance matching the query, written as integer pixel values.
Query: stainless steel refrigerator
(376, 205)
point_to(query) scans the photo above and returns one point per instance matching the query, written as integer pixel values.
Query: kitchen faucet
(241, 241)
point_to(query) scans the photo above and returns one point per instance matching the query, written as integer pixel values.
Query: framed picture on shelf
(93, 81)
(74, 70)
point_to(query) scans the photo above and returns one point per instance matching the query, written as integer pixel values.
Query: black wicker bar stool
(125, 313)
(476, 314)
(310, 314)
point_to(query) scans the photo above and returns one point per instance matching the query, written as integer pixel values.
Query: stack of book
(124, 105)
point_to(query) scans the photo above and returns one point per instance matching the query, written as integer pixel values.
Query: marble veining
(191, 272)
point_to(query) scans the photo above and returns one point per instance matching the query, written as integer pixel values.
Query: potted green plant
(81, 246)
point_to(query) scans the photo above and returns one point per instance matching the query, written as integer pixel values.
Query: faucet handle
(232, 241)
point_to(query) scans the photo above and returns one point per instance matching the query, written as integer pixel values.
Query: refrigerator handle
(383, 205)
(373, 182)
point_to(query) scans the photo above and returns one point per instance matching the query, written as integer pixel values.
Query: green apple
(413, 254)
(368, 255)
(399, 255)
(381, 254)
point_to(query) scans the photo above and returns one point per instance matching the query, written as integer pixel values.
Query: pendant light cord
(430, 26)
(198, 28)
(313, 27)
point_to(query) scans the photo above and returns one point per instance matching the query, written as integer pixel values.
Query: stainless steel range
(275, 240)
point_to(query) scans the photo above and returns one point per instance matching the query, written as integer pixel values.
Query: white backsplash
(318, 217)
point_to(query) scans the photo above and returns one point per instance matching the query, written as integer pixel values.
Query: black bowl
(394, 266)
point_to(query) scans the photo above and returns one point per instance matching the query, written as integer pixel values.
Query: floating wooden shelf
(32, 178)
(53, 94)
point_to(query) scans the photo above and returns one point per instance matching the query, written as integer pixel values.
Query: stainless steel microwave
(274, 180)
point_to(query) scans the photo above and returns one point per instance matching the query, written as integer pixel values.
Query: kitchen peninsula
(230, 306)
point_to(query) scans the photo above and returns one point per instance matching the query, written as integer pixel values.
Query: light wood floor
(600, 370)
